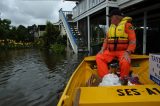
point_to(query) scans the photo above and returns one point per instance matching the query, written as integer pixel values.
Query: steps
(78, 37)
(70, 35)
(76, 40)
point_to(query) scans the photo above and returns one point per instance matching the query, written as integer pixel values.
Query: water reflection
(32, 77)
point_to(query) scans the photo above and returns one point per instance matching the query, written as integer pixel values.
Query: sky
(29, 12)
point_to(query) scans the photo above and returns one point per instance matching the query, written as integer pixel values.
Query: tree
(13, 33)
(4, 28)
(22, 34)
(52, 32)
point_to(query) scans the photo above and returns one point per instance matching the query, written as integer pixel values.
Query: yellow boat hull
(81, 89)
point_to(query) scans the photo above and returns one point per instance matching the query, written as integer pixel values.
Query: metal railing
(122, 1)
(62, 17)
(84, 6)
(66, 14)
(93, 3)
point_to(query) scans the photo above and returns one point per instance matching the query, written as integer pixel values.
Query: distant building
(41, 30)
(33, 31)
(61, 28)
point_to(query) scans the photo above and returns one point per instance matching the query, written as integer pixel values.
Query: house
(33, 31)
(90, 20)
(41, 30)
(61, 28)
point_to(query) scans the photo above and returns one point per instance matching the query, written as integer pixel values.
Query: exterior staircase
(74, 36)
(79, 39)
(70, 35)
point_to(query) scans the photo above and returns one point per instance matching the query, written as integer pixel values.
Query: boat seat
(137, 95)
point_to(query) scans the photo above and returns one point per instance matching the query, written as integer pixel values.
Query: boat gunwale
(68, 84)
(92, 58)
(88, 59)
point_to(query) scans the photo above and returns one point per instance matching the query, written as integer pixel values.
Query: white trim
(107, 18)
(144, 32)
(125, 3)
(120, 2)
(95, 9)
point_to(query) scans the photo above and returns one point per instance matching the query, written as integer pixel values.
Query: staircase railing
(68, 31)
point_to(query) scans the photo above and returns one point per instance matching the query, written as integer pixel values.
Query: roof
(72, 0)
(41, 27)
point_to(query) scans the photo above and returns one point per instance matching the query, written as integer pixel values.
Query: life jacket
(117, 37)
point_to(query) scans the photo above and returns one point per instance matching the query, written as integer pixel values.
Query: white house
(89, 17)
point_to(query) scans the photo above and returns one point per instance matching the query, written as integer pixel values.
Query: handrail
(85, 6)
(82, 6)
(67, 12)
(70, 35)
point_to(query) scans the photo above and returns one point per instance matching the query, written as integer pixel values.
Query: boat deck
(83, 90)
(140, 95)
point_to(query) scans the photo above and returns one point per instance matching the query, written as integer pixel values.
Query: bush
(39, 43)
(57, 48)
(12, 44)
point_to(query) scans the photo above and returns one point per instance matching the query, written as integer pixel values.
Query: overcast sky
(29, 12)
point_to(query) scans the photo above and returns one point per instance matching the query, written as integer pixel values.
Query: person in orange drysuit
(119, 43)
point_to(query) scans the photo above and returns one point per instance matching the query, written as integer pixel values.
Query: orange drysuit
(119, 39)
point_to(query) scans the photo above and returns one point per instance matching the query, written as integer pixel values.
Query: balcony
(72, 0)
(87, 5)
(83, 6)
(126, 3)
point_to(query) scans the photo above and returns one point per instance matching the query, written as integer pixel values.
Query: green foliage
(22, 34)
(61, 40)
(52, 32)
(19, 33)
(4, 28)
(39, 43)
(18, 37)
(58, 48)
(12, 44)
(13, 32)
(53, 40)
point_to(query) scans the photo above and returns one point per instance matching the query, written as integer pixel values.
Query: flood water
(33, 77)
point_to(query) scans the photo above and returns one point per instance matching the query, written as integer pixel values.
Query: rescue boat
(83, 90)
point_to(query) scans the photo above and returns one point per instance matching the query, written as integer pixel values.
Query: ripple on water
(33, 78)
